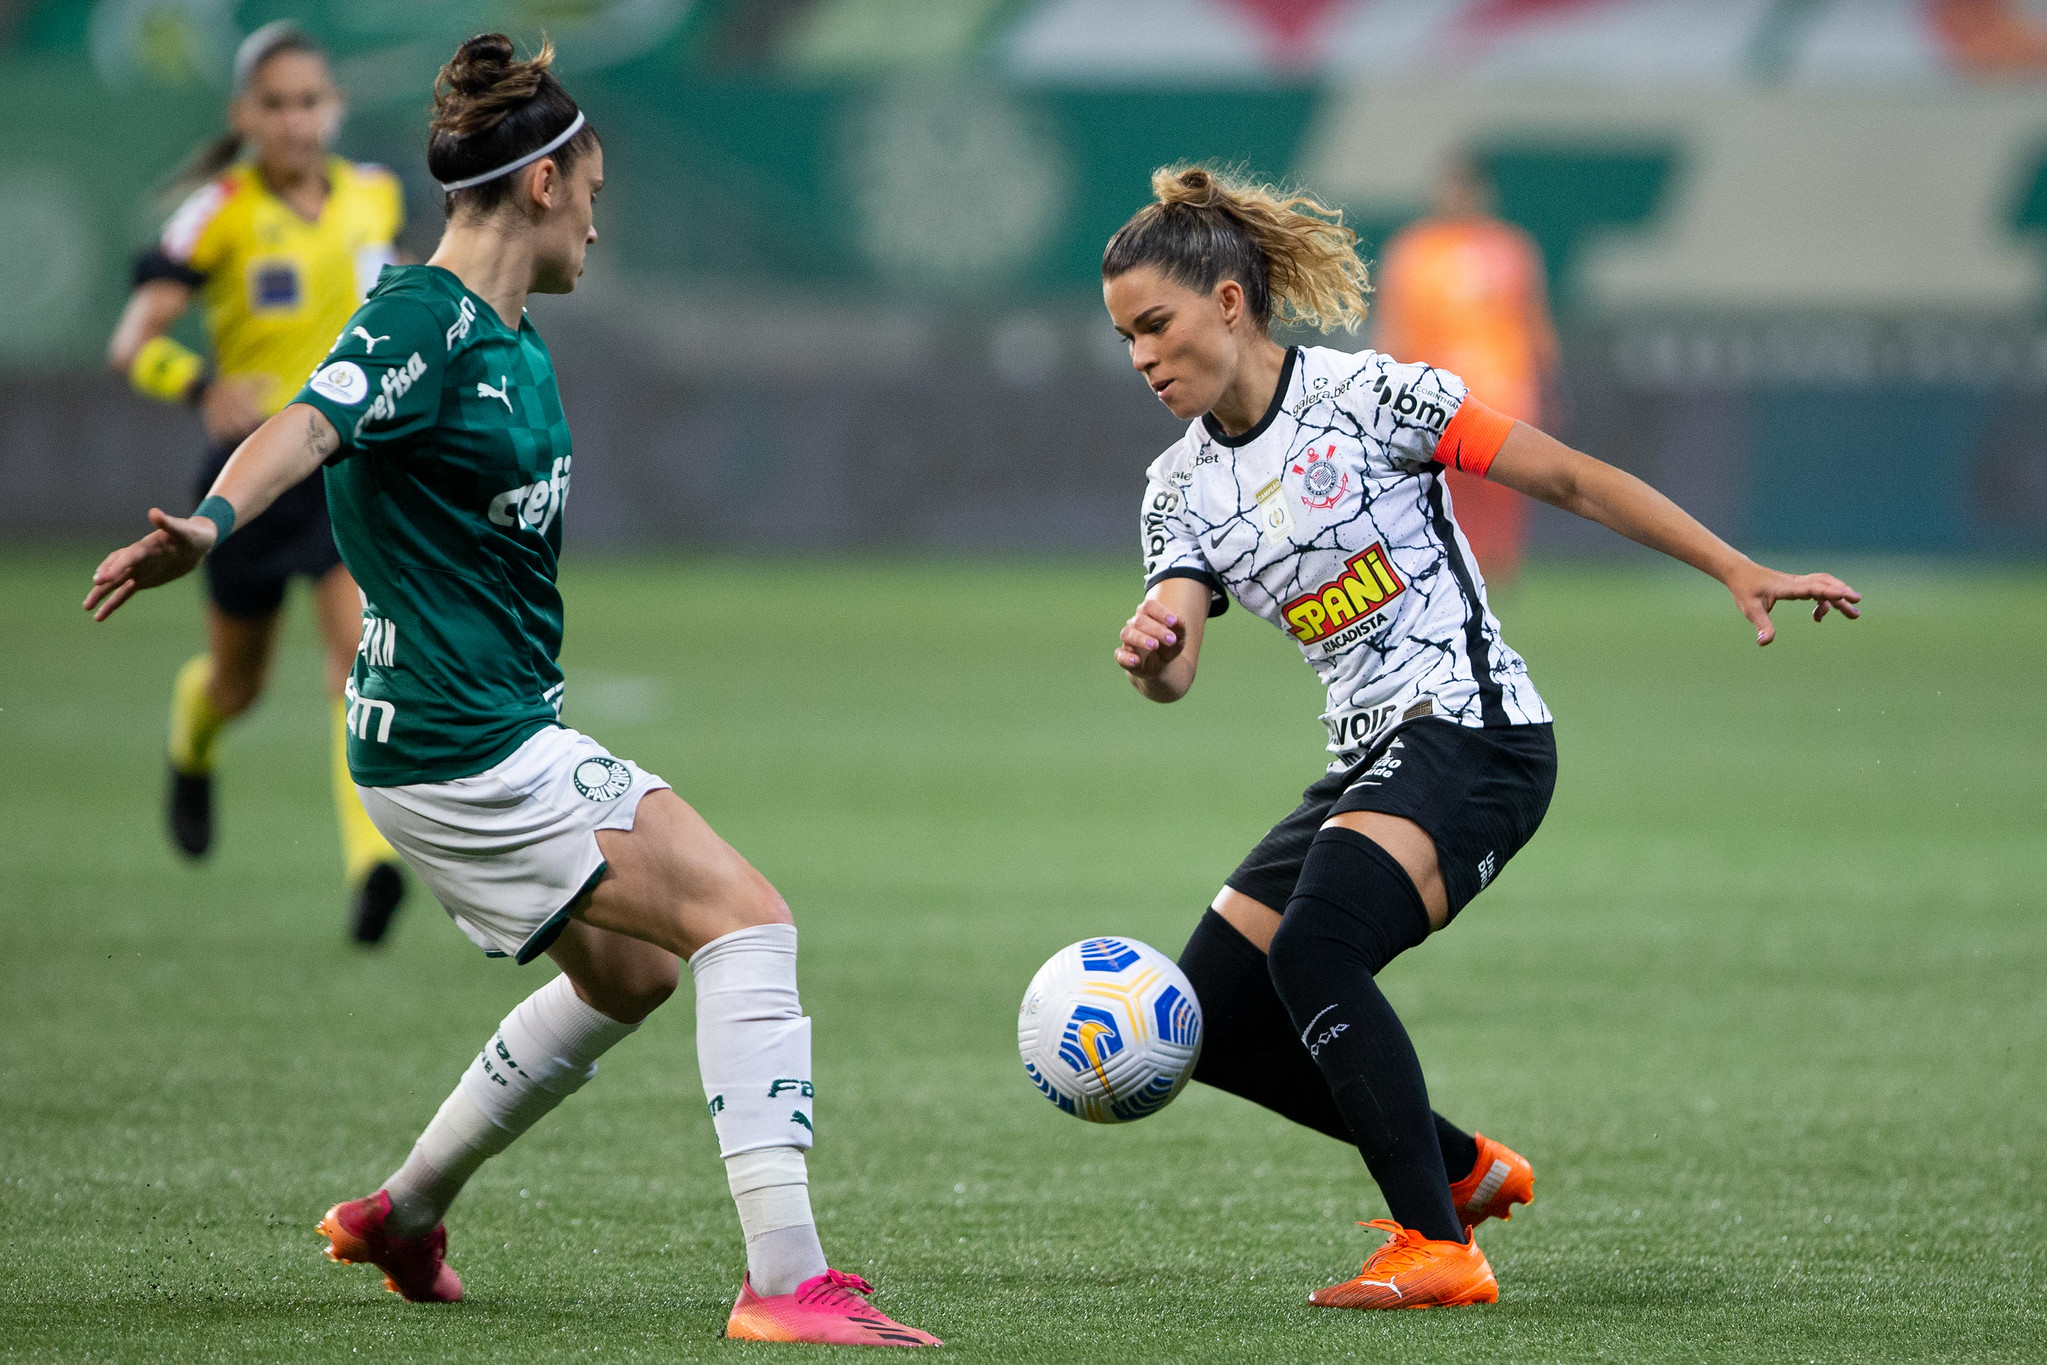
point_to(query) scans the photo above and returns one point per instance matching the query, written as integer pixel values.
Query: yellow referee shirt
(278, 288)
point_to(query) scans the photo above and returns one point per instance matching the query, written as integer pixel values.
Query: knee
(754, 900)
(1295, 947)
(234, 690)
(630, 995)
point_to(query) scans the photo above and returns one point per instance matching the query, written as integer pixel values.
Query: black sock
(1460, 1149)
(1251, 1049)
(1353, 910)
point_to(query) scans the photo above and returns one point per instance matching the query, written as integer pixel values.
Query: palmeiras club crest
(1321, 485)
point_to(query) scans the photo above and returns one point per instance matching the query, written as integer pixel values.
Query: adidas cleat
(826, 1310)
(1500, 1179)
(1410, 1271)
(416, 1268)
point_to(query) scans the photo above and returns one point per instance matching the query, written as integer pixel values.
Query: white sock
(771, 1187)
(543, 1052)
(753, 1049)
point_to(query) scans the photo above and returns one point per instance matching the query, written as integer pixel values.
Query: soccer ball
(1109, 1030)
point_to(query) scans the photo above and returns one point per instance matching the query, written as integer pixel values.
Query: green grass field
(1762, 1002)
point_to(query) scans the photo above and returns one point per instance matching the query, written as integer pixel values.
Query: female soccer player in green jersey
(447, 464)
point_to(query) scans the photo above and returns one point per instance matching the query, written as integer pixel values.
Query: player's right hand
(171, 551)
(231, 407)
(1150, 640)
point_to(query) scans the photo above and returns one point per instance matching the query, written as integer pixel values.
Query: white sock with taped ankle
(771, 1188)
(753, 1049)
(545, 1050)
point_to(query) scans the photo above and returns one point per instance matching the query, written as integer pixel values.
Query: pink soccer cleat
(414, 1267)
(826, 1310)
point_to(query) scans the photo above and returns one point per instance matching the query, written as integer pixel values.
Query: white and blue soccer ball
(1109, 1030)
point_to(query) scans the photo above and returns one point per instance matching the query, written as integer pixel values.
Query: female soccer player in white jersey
(447, 463)
(1309, 487)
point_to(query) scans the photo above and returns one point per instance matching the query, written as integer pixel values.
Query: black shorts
(1479, 793)
(247, 575)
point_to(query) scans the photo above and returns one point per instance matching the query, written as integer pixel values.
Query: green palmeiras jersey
(446, 497)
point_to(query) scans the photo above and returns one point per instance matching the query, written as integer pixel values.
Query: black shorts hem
(1480, 793)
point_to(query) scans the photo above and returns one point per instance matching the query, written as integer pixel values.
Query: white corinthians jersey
(1330, 519)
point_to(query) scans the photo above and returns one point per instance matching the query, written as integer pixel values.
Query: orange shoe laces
(1405, 1249)
(836, 1289)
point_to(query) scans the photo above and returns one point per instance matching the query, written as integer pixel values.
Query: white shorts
(509, 850)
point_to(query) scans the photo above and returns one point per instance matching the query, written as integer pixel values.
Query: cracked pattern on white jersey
(1332, 522)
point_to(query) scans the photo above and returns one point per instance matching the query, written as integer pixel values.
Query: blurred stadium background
(847, 294)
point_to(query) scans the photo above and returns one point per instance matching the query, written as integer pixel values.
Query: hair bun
(1192, 185)
(479, 64)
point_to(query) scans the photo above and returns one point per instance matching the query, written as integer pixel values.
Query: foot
(376, 900)
(1499, 1179)
(415, 1267)
(1410, 1271)
(188, 809)
(826, 1309)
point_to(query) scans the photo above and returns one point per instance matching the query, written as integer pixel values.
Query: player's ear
(543, 182)
(1229, 298)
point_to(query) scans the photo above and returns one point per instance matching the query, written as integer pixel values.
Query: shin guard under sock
(1353, 910)
(753, 1049)
(1250, 1047)
(196, 722)
(545, 1050)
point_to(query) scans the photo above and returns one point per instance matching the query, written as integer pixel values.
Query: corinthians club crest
(1322, 487)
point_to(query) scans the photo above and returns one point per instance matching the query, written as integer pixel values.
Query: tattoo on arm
(322, 439)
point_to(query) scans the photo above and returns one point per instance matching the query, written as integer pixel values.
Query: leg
(543, 1052)
(1252, 1048)
(1355, 908)
(370, 865)
(210, 690)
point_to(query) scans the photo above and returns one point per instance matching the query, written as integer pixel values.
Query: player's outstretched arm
(1543, 467)
(282, 452)
(1161, 644)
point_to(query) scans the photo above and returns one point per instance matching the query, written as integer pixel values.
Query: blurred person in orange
(1463, 291)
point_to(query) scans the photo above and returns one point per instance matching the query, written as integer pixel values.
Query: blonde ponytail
(1291, 253)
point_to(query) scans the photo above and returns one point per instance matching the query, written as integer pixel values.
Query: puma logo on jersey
(503, 393)
(369, 343)
(1366, 584)
(534, 505)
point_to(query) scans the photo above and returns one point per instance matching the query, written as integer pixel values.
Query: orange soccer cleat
(1499, 1179)
(414, 1267)
(826, 1310)
(1410, 1271)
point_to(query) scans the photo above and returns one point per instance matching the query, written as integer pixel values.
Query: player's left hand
(171, 551)
(1756, 589)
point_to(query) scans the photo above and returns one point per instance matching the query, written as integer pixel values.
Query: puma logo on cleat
(369, 343)
(1385, 1284)
(1490, 1186)
(503, 393)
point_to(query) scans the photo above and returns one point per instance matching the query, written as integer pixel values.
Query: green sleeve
(382, 381)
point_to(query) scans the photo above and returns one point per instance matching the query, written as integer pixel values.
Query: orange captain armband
(1473, 437)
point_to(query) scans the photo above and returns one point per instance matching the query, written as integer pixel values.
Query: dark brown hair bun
(490, 109)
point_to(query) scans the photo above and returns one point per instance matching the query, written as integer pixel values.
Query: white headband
(525, 160)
